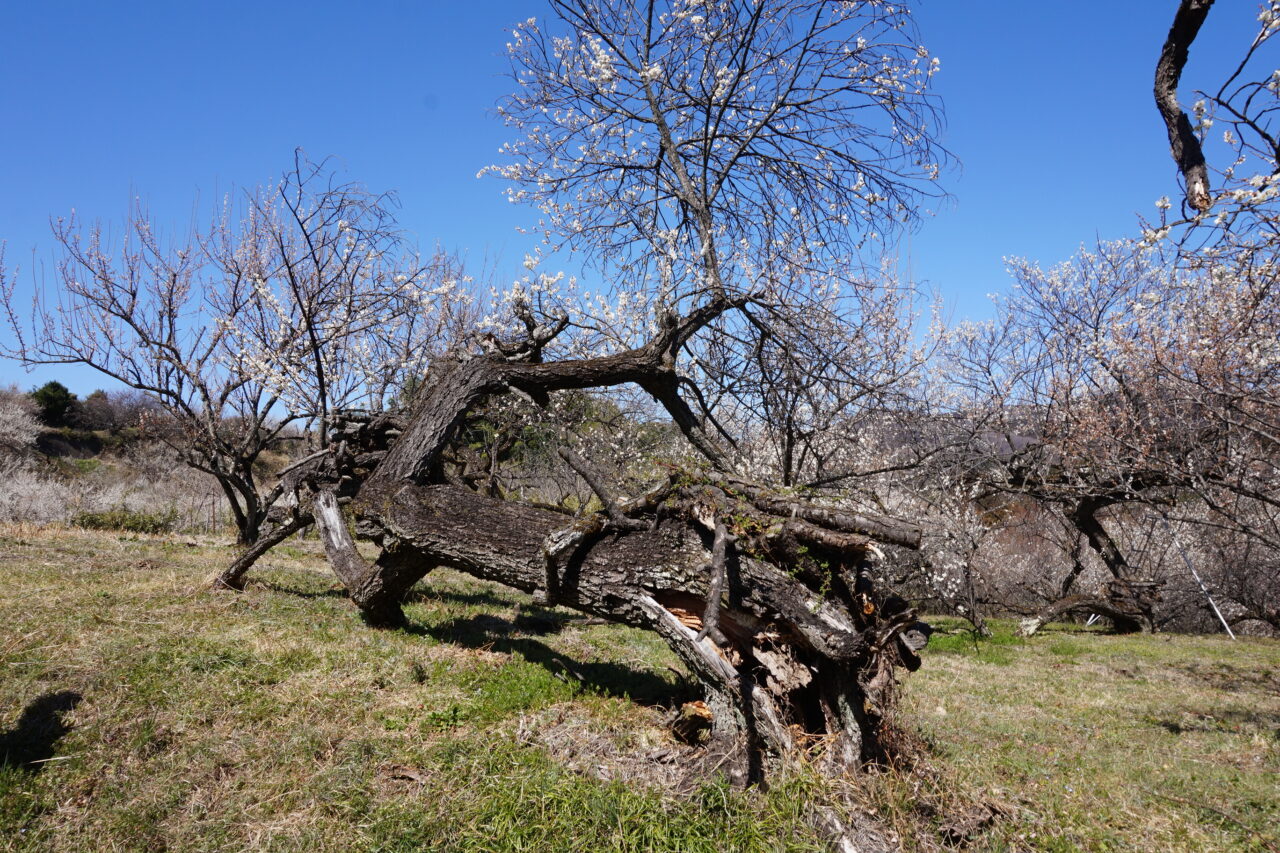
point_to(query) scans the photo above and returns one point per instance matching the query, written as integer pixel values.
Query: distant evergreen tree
(55, 403)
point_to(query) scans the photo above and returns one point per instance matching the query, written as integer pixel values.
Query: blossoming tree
(297, 299)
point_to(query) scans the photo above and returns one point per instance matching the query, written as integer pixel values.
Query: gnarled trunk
(1127, 604)
(768, 600)
(1130, 601)
(785, 667)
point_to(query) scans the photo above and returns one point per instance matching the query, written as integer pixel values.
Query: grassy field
(140, 711)
(1084, 741)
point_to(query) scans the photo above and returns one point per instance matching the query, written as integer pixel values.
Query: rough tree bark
(768, 600)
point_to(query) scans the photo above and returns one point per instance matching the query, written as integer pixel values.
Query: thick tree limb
(438, 413)
(1183, 144)
(233, 576)
(346, 562)
(880, 528)
(376, 589)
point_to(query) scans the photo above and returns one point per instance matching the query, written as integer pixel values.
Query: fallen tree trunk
(801, 652)
(785, 668)
(770, 602)
(1126, 603)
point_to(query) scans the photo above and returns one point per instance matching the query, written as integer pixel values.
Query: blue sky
(1049, 112)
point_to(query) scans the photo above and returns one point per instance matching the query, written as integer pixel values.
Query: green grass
(1087, 741)
(86, 466)
(275, 720)
(953, 636)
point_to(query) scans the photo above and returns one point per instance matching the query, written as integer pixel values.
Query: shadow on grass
(480, 598)
(31, 742)
(1220, 720)
(1224, 676)
(417, 595)
(529, 619)
(283, 589)
(511, 636)
(498, 634)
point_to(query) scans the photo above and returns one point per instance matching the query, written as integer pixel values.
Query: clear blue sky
(1048, 105)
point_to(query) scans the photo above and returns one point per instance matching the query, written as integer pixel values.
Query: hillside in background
(110, 461)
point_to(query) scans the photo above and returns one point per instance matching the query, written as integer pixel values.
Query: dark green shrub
(54, 402)
(127, 519)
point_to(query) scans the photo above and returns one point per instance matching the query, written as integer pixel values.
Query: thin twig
(303, 461)
(585, 471)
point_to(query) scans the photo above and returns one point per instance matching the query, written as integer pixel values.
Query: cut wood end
(687, 618)
(693, 723)
(1198, 195)
(697, 708)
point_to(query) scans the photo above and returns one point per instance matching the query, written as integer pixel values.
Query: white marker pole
(1196, 575)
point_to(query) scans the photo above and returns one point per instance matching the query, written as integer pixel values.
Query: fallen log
(786, 663)
(768, 599)
(1126, 603)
